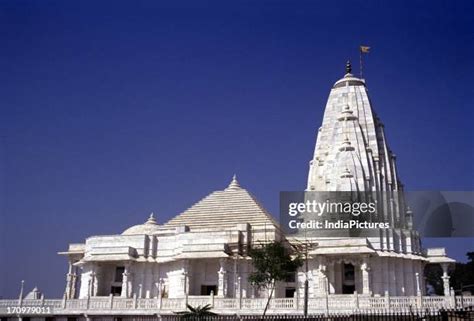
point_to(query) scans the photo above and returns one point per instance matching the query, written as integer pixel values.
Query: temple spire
(351, 143)
(151, 219)
(234, 184)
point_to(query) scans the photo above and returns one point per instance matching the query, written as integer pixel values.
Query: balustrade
(323, 304)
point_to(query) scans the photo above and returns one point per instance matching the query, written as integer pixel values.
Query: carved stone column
(185, 278)
(69, 281)
(321, 280)
(365, 269)
(74, 282)
(445, 279)
(222, 280)
(140, 291)
(418, 288)
(159, 285)
(185, 282)
(95, 283)
(125, 282)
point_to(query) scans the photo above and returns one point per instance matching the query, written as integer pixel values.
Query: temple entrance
(348, 279)
(116, 286)
(207, 289)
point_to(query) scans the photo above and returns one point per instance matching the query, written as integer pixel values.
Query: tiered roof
(225, 208)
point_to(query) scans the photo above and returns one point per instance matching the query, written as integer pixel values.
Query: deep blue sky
(113, 110)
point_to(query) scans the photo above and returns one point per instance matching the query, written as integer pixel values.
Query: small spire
(348, 67)
(346, 146)
(347, 114)
(151, 219)
(234, 184)
(346, 173)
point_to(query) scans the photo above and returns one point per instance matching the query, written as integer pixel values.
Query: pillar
(125, 282)
(159, 284)
(140, 291)
(185, 279)
(222, 280)
(94, 283)
(74, 282)
(69, 281)
(365, 269)
(445, 278)
(321, 283)
(418, 285)
(238, 288)
(186, 284)
(332, 279)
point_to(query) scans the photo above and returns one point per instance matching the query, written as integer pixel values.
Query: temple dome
(149, 227)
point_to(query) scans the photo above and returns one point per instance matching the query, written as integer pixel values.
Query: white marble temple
(203, 251)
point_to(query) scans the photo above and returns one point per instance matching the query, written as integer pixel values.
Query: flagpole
(362, 50)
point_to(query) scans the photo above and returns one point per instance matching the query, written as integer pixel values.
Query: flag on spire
(364, 49)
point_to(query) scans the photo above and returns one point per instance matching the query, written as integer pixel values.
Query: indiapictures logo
(363, 214)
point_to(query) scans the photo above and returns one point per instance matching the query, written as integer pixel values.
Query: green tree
(196, 313)
(272, 262)
(433, 273)
(463, 274)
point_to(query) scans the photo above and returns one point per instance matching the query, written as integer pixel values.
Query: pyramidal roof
(225, 208)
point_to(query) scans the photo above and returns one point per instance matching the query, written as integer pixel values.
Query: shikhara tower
(352, 155)
(351, 152)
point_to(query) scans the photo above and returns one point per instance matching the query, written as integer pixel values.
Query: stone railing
(316, 305)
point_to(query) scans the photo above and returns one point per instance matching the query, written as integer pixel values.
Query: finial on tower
(348, 67)
(234, 184)
(151, 219)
